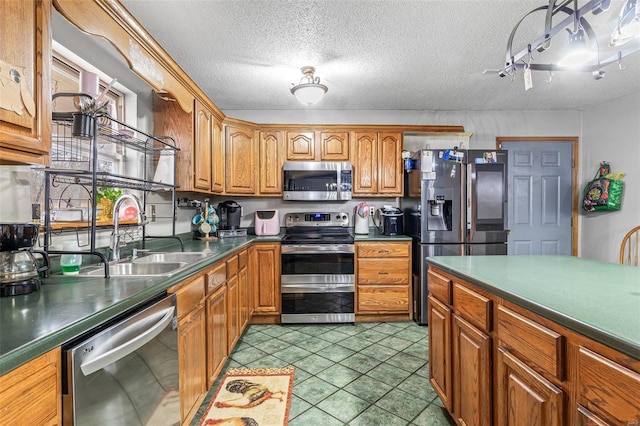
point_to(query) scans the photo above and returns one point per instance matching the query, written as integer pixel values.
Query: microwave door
(486, 203)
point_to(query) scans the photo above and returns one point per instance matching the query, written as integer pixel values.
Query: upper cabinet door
(390, 164)
(217, 160)
(334, 146)
(271, 159)
(25, 96)
(202, 148)
(241, 158)
(301, 146)
(365, 173)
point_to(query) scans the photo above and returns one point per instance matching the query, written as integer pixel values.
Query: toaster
(267, 222)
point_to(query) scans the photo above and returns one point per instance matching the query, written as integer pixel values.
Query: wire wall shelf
(91, 153)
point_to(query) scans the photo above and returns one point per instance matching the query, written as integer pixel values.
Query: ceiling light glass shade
(309, 91)
(628, 24)
(578, 53)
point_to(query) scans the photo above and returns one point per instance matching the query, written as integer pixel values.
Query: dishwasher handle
(113, 355)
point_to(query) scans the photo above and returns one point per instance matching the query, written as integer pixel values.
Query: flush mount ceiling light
(309, 90)
(583, 51)
(628, 24)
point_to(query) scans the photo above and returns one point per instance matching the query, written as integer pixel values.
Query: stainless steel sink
(134, 269)
(186, 257)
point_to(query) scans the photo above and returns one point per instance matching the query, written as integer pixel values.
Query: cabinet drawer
(472, 306)
(439, 286)
(216, 276)
(537, 345)
(243, 259)
(608, 389)
(383, 271)
(232, 266)
(189, 296)
(383, 249)
(381, 298)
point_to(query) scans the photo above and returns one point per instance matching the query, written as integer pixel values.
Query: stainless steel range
(318, 281)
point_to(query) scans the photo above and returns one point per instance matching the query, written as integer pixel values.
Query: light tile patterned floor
(365, 374)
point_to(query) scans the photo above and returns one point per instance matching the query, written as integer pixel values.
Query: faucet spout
(142, 220)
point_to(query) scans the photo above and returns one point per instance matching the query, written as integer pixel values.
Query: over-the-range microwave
(316, 180)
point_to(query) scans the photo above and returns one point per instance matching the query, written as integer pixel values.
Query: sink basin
(186, 257)
(134, 269)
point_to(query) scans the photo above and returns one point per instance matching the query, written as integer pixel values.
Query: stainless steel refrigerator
(455, 205)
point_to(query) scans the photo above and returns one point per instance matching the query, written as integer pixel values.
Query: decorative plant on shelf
(105, 199)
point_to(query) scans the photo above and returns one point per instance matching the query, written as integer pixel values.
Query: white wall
(611, 132)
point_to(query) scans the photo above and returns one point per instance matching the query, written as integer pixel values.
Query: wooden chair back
(629, 249)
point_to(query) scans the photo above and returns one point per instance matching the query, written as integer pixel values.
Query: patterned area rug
(252, 397)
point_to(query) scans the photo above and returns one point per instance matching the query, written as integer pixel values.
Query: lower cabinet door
(192, 362)
(216, 333)
(471, 374)
(524, 396)
(440, 350)
(233, 312)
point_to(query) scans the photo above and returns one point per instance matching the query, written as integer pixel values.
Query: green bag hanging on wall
(602, 193)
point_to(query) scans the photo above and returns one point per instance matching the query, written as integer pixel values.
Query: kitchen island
(553, 338)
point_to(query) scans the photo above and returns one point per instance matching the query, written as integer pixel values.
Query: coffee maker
(230, 214)
(19, 270)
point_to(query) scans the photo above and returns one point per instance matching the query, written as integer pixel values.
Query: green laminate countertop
(68, 306)
(598, 300)
(374, 235)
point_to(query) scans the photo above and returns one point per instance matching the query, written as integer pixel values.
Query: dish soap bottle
(70, 263)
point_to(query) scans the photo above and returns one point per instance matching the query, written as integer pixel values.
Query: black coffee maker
(230, 214)
(19, 270)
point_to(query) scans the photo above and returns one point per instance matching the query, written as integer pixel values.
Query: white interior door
(540, 197)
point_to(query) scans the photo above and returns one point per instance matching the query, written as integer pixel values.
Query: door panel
(540, 197)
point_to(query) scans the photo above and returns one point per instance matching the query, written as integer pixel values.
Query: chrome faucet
(142, 220)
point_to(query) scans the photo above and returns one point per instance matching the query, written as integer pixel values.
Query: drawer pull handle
(383, 273)
(383, 251)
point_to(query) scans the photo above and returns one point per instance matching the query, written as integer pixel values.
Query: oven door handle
(139, 339)
(317, 249)
(318, 288)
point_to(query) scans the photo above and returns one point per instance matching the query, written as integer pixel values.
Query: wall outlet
(372, 211)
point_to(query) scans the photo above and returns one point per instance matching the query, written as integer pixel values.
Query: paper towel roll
(165, 167)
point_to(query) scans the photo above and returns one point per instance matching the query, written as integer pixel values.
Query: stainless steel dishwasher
(126, 371)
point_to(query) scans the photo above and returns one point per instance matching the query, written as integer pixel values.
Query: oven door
(318, 283)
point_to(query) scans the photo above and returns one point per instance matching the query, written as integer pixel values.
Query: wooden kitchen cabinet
(245, 293)
(301, 146)
(25, 92)
(233, 302)
(460, 370)
(192, 359)
(203, 145)
(218, 158)
(241, 160)
(521, 393)
(334, 146)
(440, 371)
(608, 393)
(471, 353)
(271, 151)
(491, 357)
(265, 271)
(32, 394)
(377, 161)
(216, 314)
(383, 272)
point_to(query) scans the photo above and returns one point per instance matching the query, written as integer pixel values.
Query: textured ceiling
(380, 55)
